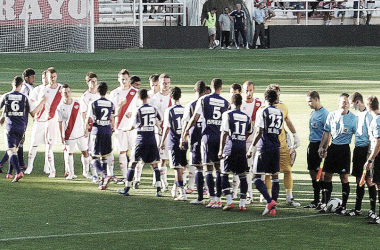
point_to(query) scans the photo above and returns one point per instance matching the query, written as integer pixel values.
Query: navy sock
(372, 197)
(359, 196)
(13, 160)
(199, 180)
(4, 159)
(157, 174)
(180, 184)
(345, 193)
(218, 184)
(275, 189)
(329, 189)
(243, 187)
(20, 154)
(260, 185)
(96, 164)
(104, 167)
(210, 183)
(316, 191)
(226, 184)
(130, 174)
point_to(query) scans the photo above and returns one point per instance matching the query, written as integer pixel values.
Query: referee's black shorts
(313, 159)
(375, 173)
(359, 158)
(338, 159)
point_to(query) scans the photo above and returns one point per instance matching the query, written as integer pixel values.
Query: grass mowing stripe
(157, 229)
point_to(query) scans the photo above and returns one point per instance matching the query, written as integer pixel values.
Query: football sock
(51, 159)
(199, 179)
(316, 191)
(70, 162)
(229, 198)
(289, 194)
(242, 203)
(104, 167)
(249, 184)
(243, 187)
(329, 189)
(226, 185)
(20, 154)
(31, 157)
(93, 169)
(138, 171)
(96, 165)
(85, 164)
(275, 189)
(163, 172)
(218, 184)
(123, 162)
(191, 182)
(184, 175)
(158, 179)
(4, 159)
(130, 174)
(13, 160)
(47, 165)
(235, 183)
(288, 180)
(378, 196)
(372, 197)
(210, 183)
(345, 193)
(110, 164)
(359, 196)
(262, 188)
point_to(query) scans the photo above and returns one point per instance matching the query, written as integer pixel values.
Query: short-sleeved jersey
(196, 131)
(237, 124)
(317, 122)
(173, 120)
(144, 120)
(100, 112)
(250, 109)
(341, 127)
(363, 122)
(239, 17)
(374, 131)
(118, 96)
(72, 120)
(34, 94)
(284, 110)
(26, 88)
(53, 98)
(270, 119)
(17, 108)
(161, 102)
(212, 107)
(85, 100)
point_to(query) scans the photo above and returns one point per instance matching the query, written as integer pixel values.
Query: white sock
(51, 160)
(249, 182)
(289, 195)
(46, 166)
(31, 156)
(71, 164)
(164, 175)
(66, 161)
(229, 199)
(138, 171)
(123, 162)
(110, 164)
(191, 177)
(235, 184)
(93, 169)
(184, 175)
(242, 203)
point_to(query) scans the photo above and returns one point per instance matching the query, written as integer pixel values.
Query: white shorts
(81, 142)
(370, 6)
(52, 132)
(124, 141)
(38, 133)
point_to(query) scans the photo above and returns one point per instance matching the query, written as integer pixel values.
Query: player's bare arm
(223, 138)
(256, 137)
(297, 141)
(164, 135)
(190, 124)
(39, 106)
(322, 151)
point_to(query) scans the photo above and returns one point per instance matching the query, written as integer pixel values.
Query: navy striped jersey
(271, 120)
(100, 112)
(173, 120)
(196, 131)
(144, 119)
(17, 108)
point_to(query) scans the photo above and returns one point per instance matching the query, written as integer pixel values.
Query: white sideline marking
(156, 229)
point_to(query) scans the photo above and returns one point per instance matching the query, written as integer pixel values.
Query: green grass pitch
(43, 213)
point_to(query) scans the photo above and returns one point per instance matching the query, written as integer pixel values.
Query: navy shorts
(235, 163)
(359, 158)
(102, 145)
(210, 152)
(313, 159)
(14, 138)
(177, 157)
(267, 162)
(146, 152)
(338, 159)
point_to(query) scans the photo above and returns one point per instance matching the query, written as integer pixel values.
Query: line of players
(60, 109)
(338, 127)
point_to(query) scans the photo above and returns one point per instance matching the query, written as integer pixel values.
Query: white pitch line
(155, 229)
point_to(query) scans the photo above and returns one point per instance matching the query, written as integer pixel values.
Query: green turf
(42, 213)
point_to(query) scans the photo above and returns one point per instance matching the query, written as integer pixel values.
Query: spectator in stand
(342, 6)
(297, 6)
(328, 15)
(370, 5)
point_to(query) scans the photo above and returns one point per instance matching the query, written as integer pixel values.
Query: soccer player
(177, 155)
(90, 95)
(210, 22)
(317, 122)
(235, 88)
(361, 149)
(268, 126)
(101, 115)
(161, 101)
(73, 132)
(341, 126)
(285, 163)
(195, 135)
(154, 85)
(372, 165)
(211, 107)
(17, 107)
(232, 149)
(122, 97)
(48, 132)
(145, 150)
(29, 76)
(239, 18)
(250, 106)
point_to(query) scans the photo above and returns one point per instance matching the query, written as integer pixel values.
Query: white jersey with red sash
(85, 100)
(131, 104)
(71, 119)
(161, 102)
(250, 109)
(53, 98)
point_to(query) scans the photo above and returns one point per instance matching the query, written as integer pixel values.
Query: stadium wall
(323, 36)
(155, 37)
